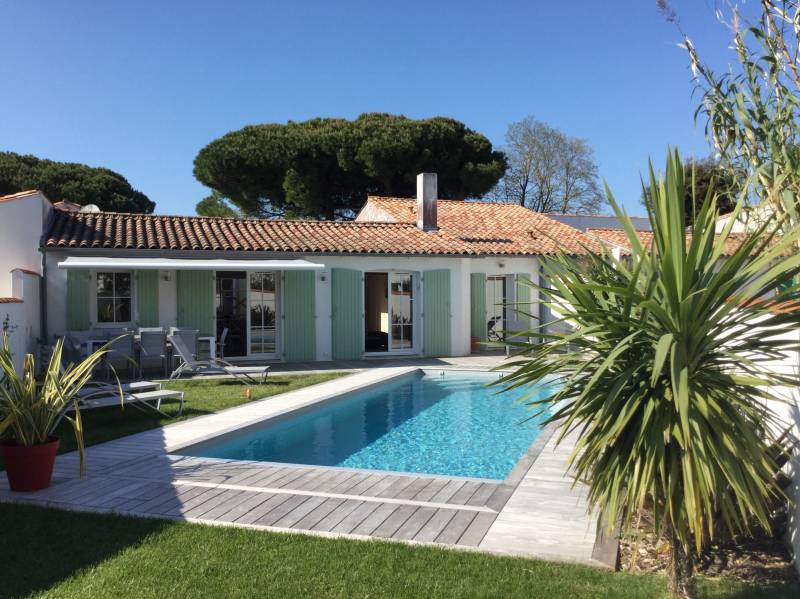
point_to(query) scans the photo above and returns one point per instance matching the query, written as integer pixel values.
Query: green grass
(69, 555)
(201, 397)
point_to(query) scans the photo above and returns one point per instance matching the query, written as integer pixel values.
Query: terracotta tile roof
(27, 271)
(618, 238)
(16, 196)
(10, 300)
(491, 228)
(466, 229)
(109, 230)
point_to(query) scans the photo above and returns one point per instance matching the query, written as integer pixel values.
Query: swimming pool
(432, 422)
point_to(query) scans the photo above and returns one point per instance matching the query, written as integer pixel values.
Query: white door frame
(416, 321)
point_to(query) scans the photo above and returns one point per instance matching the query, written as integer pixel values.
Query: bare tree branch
(548, 171)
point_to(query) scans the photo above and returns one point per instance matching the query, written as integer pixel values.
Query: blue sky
(140, 87)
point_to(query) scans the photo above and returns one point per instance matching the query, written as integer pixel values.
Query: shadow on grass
(42, 547)
(713, 589)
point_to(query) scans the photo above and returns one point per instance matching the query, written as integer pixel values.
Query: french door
(262, 321)
(388, 312)
(495, 307)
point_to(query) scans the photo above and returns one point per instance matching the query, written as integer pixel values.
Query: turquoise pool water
(450, 425)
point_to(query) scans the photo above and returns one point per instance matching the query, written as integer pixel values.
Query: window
(113, 297)
(402, 311)
(263, 300)
(495, 307)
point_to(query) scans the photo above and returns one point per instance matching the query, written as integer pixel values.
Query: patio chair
(96, 389)
(221, 343)
(122, 353)
(492, 333)
(191, 365)
(152, 348)
(189, 338)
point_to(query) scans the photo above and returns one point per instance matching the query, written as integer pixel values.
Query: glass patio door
(402, 311)
(495, 307)
(263, 299)
(388, 312)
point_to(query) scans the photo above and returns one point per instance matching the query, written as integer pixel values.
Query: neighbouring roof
(16, 196)
(619, 239)
(466, 229)
(491, 228)
(27, 271)
(584, 222)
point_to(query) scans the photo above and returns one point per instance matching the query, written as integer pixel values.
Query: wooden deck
(534, 512)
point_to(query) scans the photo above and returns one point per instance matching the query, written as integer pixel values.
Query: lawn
(202, 397)
(52, 553)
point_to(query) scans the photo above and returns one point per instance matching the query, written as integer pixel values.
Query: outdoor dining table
(92, 345)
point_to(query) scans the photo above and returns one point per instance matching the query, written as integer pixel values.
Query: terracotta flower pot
(475, 344)
(29, 468)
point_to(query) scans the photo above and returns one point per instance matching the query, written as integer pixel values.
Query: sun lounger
(109, 396)
(189, 364)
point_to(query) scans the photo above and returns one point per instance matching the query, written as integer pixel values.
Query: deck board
(375, 519)
(355, 517)
(300, 512)
(292, 501)
(395, 520)
(337, 515)
(308, 521)
(435, 525)
(414, 523)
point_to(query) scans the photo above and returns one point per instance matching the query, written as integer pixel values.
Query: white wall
(789, 412)
(55, 298)
(27, 286)
(12, 319)
(21, 318)
(22, 221)
(167, 299)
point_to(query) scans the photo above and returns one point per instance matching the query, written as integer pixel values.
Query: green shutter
(477, 299)
(347, 314)
(147, 298)
(524, 308)
(195, 290)
(436, 312)
(299, 337)
(78, 300)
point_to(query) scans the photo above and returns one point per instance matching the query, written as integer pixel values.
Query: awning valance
(87, 263)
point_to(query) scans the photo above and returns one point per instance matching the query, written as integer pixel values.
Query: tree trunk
(681, 569)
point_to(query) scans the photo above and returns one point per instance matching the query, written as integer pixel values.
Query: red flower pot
(475, 344)
(29, 468)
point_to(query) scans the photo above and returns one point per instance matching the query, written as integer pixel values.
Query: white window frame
(278, 316)
(118, 324)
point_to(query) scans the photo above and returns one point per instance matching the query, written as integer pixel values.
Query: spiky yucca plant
(29, 408)
(666, 371)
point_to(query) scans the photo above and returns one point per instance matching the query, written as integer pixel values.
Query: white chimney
(427, 190)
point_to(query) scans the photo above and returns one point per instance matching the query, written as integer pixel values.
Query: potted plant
(31, 409)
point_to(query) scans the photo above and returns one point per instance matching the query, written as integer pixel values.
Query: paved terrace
(535, 512)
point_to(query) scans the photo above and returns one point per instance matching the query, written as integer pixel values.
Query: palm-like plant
(29, 408)
(666, 370)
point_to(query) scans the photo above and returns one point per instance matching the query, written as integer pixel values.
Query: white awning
(86, 263)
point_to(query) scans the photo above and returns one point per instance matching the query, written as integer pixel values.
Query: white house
(409, 277)
(21, 226)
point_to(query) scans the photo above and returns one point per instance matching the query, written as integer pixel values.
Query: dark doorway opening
(376, 312)
(232, 311)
